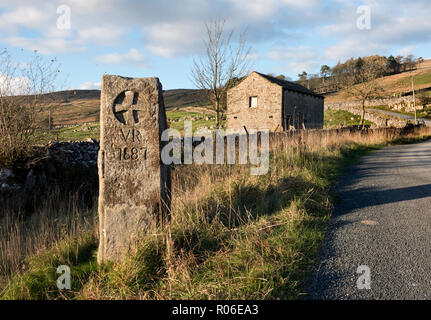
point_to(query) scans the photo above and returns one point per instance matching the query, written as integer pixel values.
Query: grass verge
(232, 235)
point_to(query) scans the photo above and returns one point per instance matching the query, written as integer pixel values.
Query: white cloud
(253, 56)
(88, 86)
(46, 46)
(296, 60)
(174, 28)
(133, 56)
(14, 85)
(105, 35)
(256, 8)
(170, 40)
(406, 51)
(169, 28)
(393, 24)
(355, 47)
(303, 3)
(23, 17)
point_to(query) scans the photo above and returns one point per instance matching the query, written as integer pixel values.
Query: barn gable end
(263, 102)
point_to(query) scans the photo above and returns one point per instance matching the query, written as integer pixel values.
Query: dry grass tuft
(231, 236)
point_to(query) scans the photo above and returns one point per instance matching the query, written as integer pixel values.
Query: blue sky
(160, 38)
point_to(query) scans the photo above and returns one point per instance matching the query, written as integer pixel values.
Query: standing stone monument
(134, 184)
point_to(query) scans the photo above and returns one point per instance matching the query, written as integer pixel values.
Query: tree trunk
(218, 114)
(49, 120)
(363, 114)
(414, 100)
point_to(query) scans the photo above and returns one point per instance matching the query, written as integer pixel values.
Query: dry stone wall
(67, 154)
(378, 102)
(378, 119)
(53, 162)
(405, 104)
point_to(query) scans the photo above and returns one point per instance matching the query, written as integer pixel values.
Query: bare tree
(224, 62)
(362, 82)
(22, 94)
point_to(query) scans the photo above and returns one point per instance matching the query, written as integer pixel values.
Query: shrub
(424, 98)
(22, 93)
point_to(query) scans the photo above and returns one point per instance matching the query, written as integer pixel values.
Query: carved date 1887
(132, 153)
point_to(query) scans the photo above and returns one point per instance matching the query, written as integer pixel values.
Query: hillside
(395, 84)
(81, 106)
(184, 98)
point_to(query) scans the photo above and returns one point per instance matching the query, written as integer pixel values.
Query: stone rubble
(61, 155)
(403, 104)
(67, 154)
(6, 184)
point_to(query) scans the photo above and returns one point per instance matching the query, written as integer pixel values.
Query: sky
(161, 38)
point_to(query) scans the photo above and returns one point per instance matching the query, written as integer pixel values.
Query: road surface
(383, 222)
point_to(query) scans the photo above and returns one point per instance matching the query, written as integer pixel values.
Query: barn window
(253, 102)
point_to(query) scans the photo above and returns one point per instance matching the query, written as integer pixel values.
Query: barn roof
(289, 85)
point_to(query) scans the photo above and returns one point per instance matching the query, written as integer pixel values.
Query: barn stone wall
(301, 108)
(267, 114)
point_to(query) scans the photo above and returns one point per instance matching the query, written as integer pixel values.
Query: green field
(83, 132)
(75, 133)
(340, 118)
(333, 119)
(176, 120)
(419, 80)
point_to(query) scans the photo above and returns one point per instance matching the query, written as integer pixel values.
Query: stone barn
(260, 101)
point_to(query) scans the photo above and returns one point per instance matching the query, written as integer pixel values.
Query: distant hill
(395, 84)
(73, 95)
(81, 106)
(172, 98)
(184, 98)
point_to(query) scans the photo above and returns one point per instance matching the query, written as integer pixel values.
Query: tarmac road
(383, 221)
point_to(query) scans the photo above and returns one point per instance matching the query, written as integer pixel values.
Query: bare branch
(361, 81)
(22, 94)
(224, 60)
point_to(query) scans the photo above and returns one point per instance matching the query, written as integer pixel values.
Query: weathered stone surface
(134, 184)
(267, 114)
(69, 154)
(278, 108)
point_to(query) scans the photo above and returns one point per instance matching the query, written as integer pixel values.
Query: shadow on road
(393, 188)
(367, 197)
